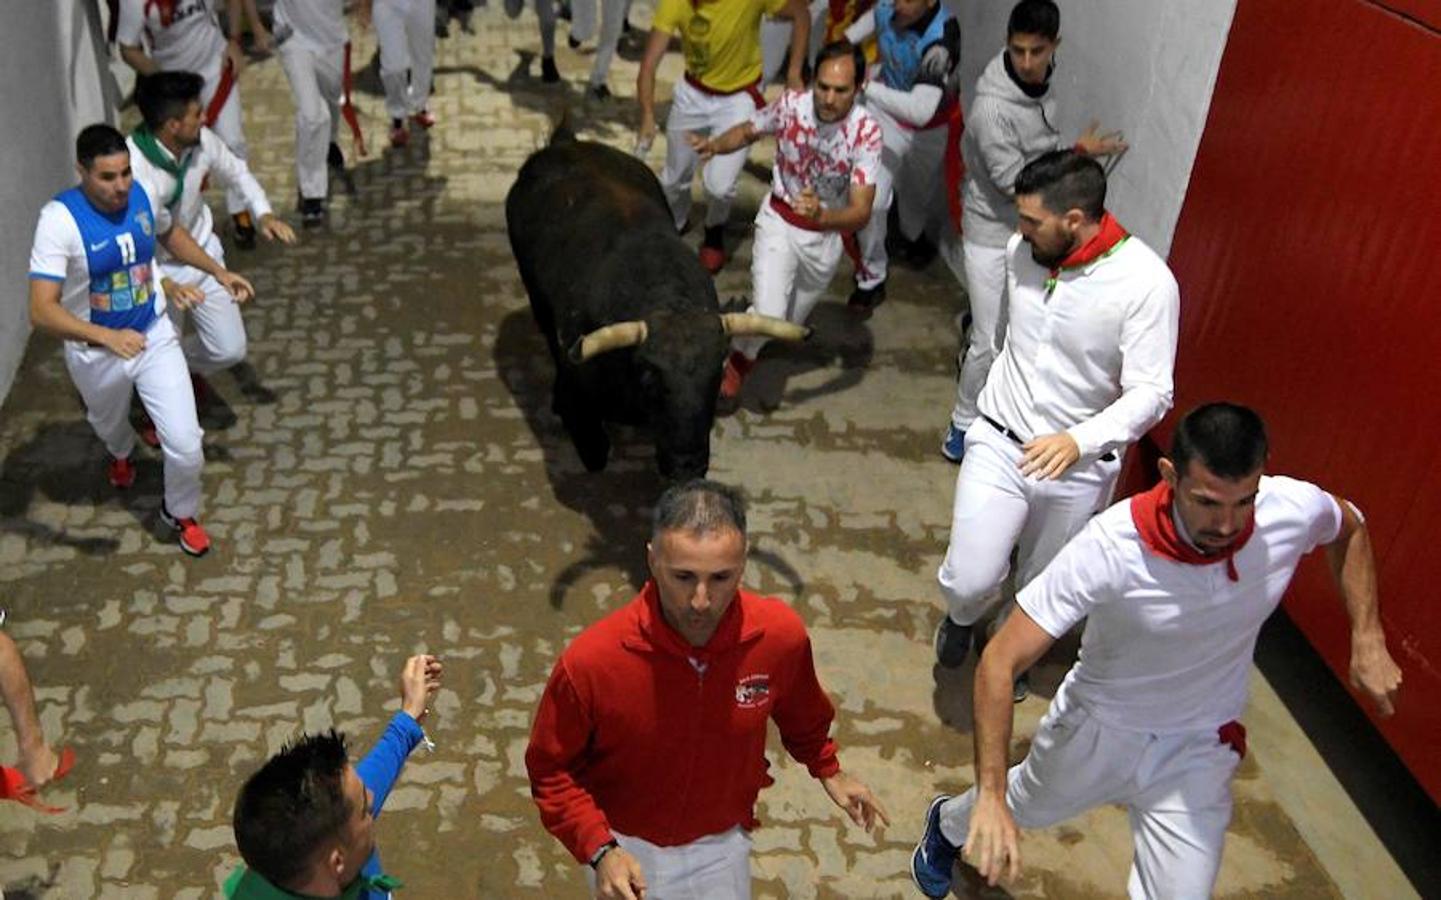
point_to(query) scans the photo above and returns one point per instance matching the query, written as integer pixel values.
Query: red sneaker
(713, 259)
(193, 539)
(399, 137)
(120, 473)
(425, 119)
(737, 368)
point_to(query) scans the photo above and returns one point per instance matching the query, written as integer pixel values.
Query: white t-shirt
(317, 25)
(59, 252)
(188, 38)
(1168, 645)
(828, 156)
(1093, 357)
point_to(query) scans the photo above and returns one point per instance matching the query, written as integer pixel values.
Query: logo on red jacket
(753, 691)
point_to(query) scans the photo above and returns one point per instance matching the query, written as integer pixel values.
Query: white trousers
(1176, 788)
(986, 290)
(790, 269)
(218, 340)
(997, 508)
(315, 83)
(715, 867)
(405, 30)
(105, 381)
(582, 28)
(776, 40)
(227, 127)
(911, 168)
(705, 115)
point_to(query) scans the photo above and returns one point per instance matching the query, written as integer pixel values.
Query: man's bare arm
(1373, 671)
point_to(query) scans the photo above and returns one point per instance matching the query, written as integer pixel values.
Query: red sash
(347, 106)
(222, 93)
(788, 212)
(754, 89)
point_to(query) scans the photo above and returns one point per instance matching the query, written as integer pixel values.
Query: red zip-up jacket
(629, 735)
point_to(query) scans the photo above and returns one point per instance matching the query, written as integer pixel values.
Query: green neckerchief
(150, 148)
(244, 884)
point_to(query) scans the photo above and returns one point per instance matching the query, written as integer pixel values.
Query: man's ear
(335, 862)
(1168, 472)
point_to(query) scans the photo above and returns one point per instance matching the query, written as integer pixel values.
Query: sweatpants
(715, 867)
(997, 508)
(707, 115)
(911, 168)
(790, 269)
(405, 30)
(985, 269)
(315, 83)
(218, 337)
(1176, 788)
(105, 382)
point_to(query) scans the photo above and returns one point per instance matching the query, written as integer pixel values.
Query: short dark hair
(166, 95)
(700, 506)
(839, 49)
(1228, 439)
(291, 806)
(1040, 17)
(1066, 180)
(98, 140)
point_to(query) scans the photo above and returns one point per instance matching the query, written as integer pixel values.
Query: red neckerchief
(1151, 511)
(1106, 239)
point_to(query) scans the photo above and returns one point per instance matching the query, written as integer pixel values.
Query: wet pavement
(387, 478)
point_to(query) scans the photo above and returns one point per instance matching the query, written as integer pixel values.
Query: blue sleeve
(381, 766)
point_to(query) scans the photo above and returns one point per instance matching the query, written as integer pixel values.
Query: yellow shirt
(720, 38)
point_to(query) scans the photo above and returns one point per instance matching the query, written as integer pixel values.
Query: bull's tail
(562, 133)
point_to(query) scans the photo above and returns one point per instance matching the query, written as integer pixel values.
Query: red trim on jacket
(630, 736)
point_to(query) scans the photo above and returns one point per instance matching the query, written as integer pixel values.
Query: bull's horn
(611, 337)
(743, 324)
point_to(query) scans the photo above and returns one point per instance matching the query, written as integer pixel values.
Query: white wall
(1145, 67)
(54, 80)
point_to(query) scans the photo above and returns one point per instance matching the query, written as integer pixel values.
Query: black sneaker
(335, 157)
(863, 301)
(599, 92)
(548, 72)
(312, 212)
(953, 643)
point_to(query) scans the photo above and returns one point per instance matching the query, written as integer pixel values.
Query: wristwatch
(602, 851)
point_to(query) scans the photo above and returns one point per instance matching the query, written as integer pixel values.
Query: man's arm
(558, 741)
(37, 760)
(379, 770)
(235, 21)
(178, 242)
(263, 41)
(995, 141)
(48, 315)
(799, 14)
(728, 141)
(920, 104)
(232, 171)
(862, 28)
(854, 215)
(655, 47)
(1373, 671)
(137, 59)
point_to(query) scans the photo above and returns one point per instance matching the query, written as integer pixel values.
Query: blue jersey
(119, 253)
(901, 51)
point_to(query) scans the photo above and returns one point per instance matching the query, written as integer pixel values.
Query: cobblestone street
(387, 477)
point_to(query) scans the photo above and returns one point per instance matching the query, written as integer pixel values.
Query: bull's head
(678, 359)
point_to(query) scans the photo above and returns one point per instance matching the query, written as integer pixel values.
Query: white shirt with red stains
(184, 35)
(829, 157)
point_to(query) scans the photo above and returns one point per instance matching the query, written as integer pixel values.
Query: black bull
(630, 315)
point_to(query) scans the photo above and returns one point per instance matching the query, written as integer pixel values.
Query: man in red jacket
(648, 749)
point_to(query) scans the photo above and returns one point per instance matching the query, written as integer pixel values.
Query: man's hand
(125, 343)
(1374, 673)
(261, 39)
(418, 681)
(993, 844)
(618, 876)
(235, 55)
(856, 799)
(645, 135)
(1093, 143)
(237, 285)
(808, 203)
(795, 81)
(704, 147)
(1049, 456)
(185, 296)
(274, 228)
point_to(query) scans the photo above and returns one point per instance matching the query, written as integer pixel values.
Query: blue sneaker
(935, 856)
(954, 446)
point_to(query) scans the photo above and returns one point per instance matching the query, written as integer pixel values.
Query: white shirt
(829, 157)
(211, 157)
(188, 40)
(1094, 357)
(317, 25)
(59, 252)
(1168, 645)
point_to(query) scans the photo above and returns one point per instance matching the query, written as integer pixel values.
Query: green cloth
(150, 148)
(244, 884)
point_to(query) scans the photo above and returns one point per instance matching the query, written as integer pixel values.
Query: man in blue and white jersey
(93, 283)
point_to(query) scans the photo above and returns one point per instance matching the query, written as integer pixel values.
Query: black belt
(1020, 441)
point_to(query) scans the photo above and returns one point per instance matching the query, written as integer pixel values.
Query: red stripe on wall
(1309, 257)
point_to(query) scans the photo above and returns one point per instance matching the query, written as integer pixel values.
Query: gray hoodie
(1005, 129)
